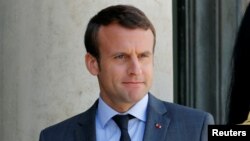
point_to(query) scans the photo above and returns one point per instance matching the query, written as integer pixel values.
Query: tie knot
(122, 120)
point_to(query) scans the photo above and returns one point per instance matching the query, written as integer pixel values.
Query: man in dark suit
(120, 43)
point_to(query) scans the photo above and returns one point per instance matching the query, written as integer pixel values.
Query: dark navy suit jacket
(178, 123)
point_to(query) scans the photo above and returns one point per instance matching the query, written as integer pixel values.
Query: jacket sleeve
(208, 120)
(41, 137)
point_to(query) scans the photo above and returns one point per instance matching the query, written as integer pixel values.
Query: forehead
(117, 29)
(122, 37)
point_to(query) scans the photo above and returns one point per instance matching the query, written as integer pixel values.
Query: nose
(134, 67)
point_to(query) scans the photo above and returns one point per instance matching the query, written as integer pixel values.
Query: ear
(91, 64)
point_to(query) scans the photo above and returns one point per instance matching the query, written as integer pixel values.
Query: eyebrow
(125, 53)
(147, 52)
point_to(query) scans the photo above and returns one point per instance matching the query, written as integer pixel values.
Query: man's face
(126, 65)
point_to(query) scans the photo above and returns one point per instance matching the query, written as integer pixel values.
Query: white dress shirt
(106, 128)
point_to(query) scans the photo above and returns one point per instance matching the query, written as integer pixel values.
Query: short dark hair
(125, 15)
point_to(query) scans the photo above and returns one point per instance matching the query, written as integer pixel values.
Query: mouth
(133, 84)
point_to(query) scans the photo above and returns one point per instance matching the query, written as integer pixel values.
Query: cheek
(116, 69)
(113, 72)
(148, 69)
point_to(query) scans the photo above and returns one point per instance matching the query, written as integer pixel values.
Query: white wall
(43, 78)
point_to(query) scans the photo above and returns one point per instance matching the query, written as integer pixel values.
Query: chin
(136, 96)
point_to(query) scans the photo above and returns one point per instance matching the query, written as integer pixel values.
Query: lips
(133, 84)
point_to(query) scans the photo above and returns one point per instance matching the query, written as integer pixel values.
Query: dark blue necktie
(122, 122)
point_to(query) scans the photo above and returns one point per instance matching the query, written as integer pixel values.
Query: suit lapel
(157, 122)
(86, 125)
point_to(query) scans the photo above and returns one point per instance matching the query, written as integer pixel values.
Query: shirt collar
(105, 113)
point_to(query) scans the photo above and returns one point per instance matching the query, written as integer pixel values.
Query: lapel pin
(157, 125)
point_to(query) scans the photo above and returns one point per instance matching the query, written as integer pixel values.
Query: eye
(120, 56)
(143, 55)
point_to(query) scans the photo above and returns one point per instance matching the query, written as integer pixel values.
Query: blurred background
(43, 78)
(204, 33)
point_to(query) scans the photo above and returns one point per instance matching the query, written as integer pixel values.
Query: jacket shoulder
(66, 128)
(184, 113)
